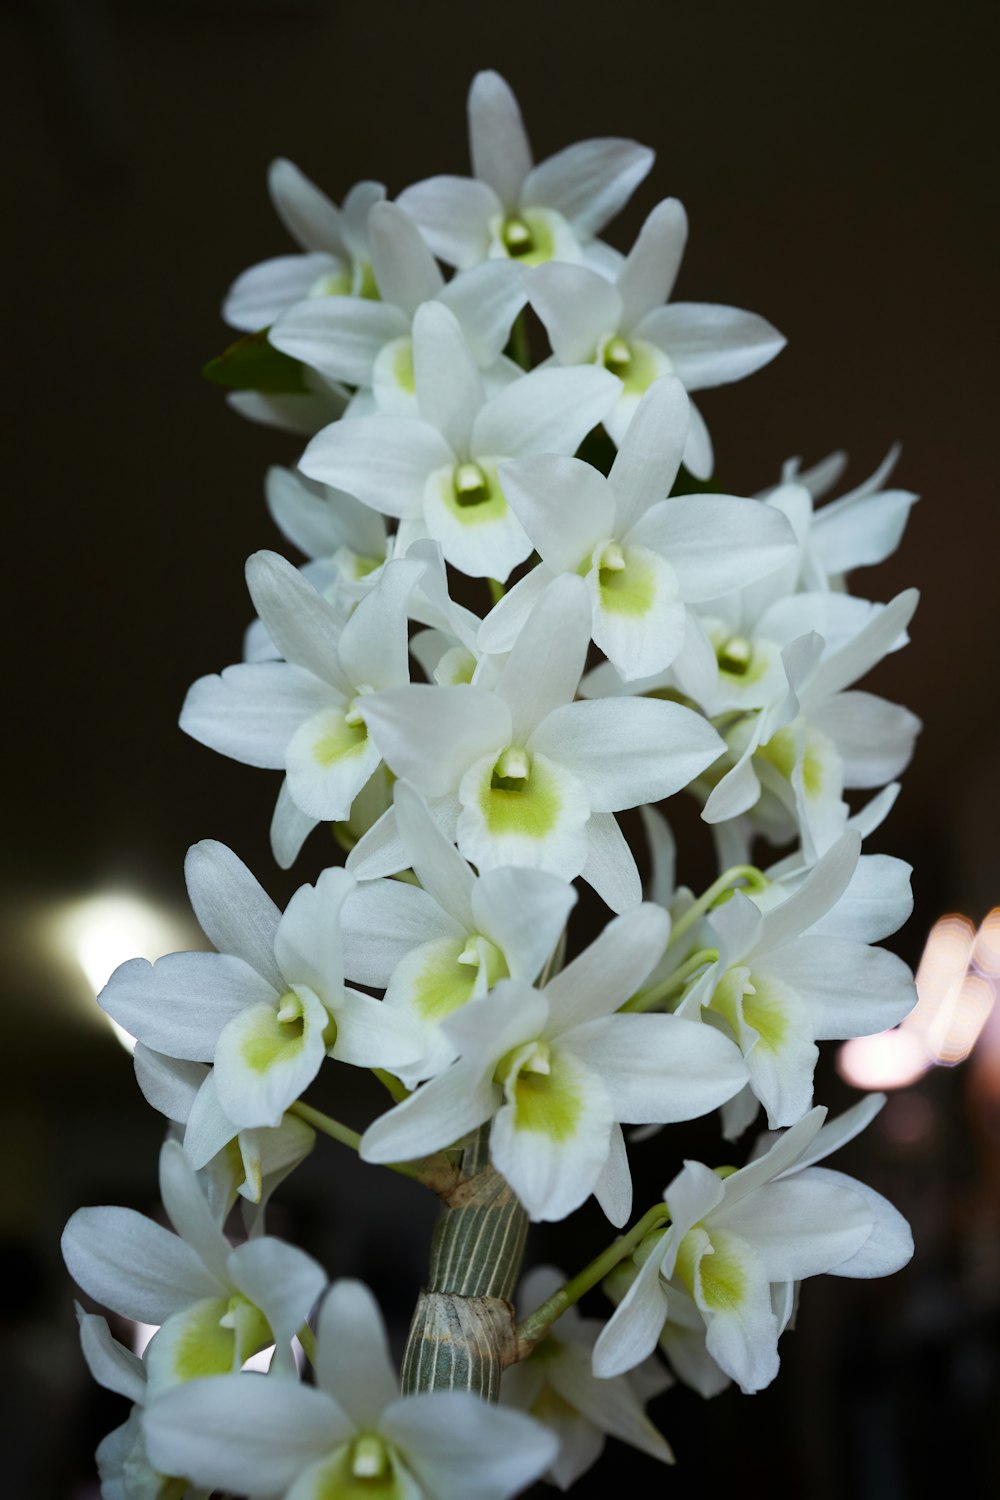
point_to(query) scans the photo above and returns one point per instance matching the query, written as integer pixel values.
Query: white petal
(801, 1226)
(588, 182)
(307, 942)
(483, 539)
(454, 215)
(546, 661)
(873, 737)
(461, 1448)
(523, 912)
(711, 345)
(290, 827)
(384, 466)
(304, 627)
(328, 761)
(168, 1084)
(610, 867)
(246, 1434)
(284, 1282)
(868, 647)
(209, 1128)
(110, 1363)
(180, 1004)
(612, 1405)
(626, 751)
(384, 920)
(252, 710)
(888, 1248)
(262, 1065)
(853, 990)
(612, 968)
(338, 336)
(716, 543)
(431, 734)
(439, 867)
(541, 826)
(501, 626)
(866, 532)
(565, 506)
(189, 1212)
(373, 1035)
(577, 306)
(133, 1266)
(819, 893)
(647, 277)
(648, 458)
(632, 1332)
(660, 1069)
(699, 458)
(639, 622)
(265, 291)
(233, 910)
(553, 1140)
(306, 213)
(547, 411)
(449, 387)
(373, 644)
(437, 1115)
(743, 1333)
(353, 1361)
(404, 267)
(613, 1189)
(498, 141)
(878, 900)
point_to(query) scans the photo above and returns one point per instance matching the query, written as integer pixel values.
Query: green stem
(676, 980)
(538, 1324)
(307, 1339)
(398, 1090)
(519, 348)
(497, 590)
(753, 879)
(326, 1123)
(435, 1172)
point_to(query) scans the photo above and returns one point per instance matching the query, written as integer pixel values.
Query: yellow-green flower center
(470, 484)
(516, 237)
(735, 655)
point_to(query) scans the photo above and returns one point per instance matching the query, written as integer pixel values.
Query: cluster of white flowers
(622, 634)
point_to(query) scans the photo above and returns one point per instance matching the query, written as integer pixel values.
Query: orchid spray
(523, 610)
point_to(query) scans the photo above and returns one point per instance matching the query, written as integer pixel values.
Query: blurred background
(838, 165)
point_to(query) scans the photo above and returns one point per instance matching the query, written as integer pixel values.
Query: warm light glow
(101, 932)
(955, 1029)
(889, 1060)
(986, 949)
(956, 991)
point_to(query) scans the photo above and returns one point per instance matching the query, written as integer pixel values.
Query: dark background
(838, 166)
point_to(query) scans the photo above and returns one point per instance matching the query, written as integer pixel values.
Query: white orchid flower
(522, 775)
(646, 558)
(557, 1386)
(331, 528)
(737, 1244)
(122, 1464)
(439, 468)
(557, 1071)
(512, 207)
(351, 1434)
(819, 738)
(858, 529)
(266, 1008)
(624, 324)
(435, 946)
(781, 983)
(305, 715)
(337, 258)
(215, 1305)
(248, 1163)
(368, 344)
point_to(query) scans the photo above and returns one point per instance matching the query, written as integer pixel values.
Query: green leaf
(253, 364)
